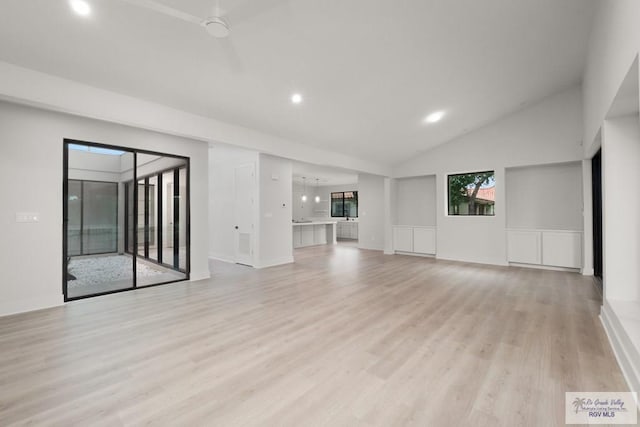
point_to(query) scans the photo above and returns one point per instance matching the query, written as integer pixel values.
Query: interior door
(243, 213)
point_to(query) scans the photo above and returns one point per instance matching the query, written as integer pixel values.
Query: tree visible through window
(344, 204)
(472, 193)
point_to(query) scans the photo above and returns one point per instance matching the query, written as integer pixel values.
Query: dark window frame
(65, 214)
(355, 196)
(449, 205)
(82, 205)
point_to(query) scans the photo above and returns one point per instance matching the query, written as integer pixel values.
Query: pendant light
(304, 190)
(317, 195)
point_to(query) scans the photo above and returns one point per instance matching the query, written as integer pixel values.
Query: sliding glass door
(162, 232)
(93, 217)
(92, 264)
(126, 215)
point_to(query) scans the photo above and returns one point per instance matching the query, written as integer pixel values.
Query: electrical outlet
(27, 217)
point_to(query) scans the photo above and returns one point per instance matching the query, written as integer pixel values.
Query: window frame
(448, 195)
(65, 213)
(82, 183)
(355, 194)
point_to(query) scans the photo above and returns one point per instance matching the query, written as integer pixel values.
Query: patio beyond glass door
(126, 219)
(162, 219)
(93, 262)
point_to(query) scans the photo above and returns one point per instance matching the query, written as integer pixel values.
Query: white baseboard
(275, 262)
(199, 275)
(625, 352)
(8, 308)
(544, 267)
(221, 258)
(587, 271)
(501, 264)
(371, 248)
(415, 254)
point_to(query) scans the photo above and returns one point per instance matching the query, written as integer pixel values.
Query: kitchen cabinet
(320, 234)
(348, 230)
(313, 233)
(307, 236)
(297, 235)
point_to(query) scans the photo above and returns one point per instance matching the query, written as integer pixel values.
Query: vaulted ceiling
(369, 71)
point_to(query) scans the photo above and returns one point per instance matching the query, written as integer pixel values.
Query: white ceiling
(369, 70)
(324, 174)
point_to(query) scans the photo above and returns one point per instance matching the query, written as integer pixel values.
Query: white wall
(621, 202)
(304, 210)
(323, 209)
(547, 197)
(31, 159)
(23, 85)
(614, 42)
(371, 212)
(275, 229)
(547, 132)
(415, 201)
(223, 161)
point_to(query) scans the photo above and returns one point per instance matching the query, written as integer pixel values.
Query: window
(92, 226)
(97, 150)
(344, 204)
(150, 192)
(472, 193)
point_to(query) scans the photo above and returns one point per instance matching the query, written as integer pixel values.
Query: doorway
(119, 235)
(596, 189)
(243, 208)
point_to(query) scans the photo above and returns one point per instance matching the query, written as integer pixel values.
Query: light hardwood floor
(341, 337)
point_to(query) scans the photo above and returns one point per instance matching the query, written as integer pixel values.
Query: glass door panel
(94, 232)
(126, 219)
(141, 238)
(161, 212)
(74, 222)
(167, 218)
(129, 217)
(99, 217)
(182, 224)
(151, 216)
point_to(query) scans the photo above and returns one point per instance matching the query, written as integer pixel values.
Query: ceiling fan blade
(235, 63)
(166, 10)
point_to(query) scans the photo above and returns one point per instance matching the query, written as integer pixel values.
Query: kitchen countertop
(314, 223)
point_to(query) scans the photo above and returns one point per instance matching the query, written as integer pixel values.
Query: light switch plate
(27, 217)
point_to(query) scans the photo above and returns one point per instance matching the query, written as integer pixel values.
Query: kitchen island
(311, 233)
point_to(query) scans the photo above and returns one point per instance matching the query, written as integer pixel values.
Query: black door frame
(174, 261)
(596, 195)
(82, 183)
(65, 214)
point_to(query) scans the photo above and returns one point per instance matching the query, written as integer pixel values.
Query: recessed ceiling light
(80, 7)
(296, 98)
(434, 117)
